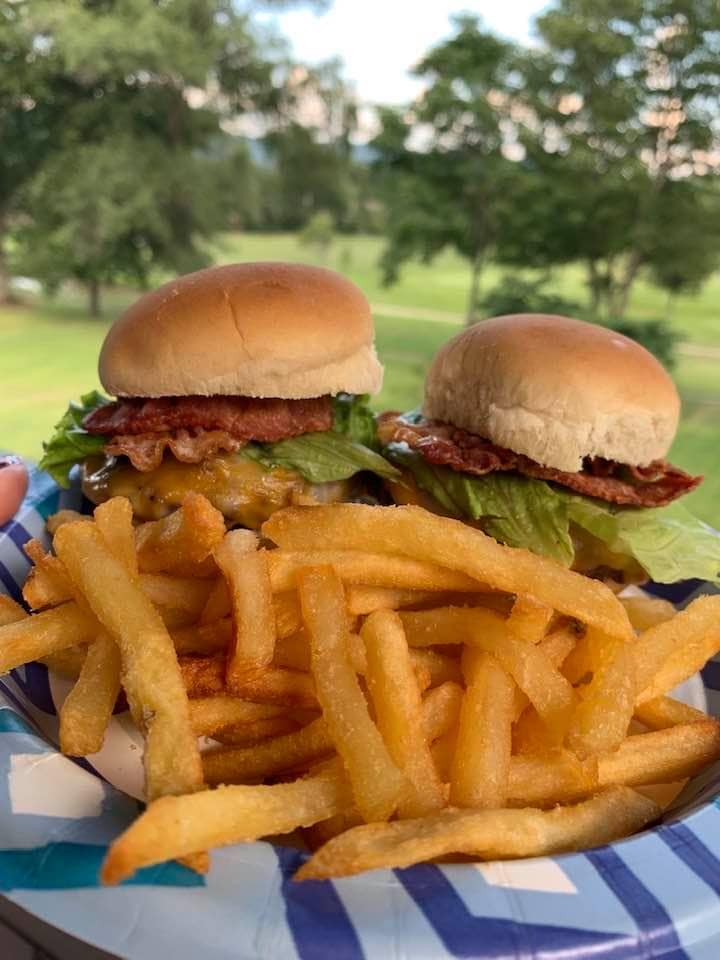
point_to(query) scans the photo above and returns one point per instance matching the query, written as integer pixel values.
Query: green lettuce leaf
(321, 457)
(668, 542)
(70, 444)
(518, 511)
(353, 417)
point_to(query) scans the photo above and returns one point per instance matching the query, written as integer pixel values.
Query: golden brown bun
(246, 329)
(556, 390)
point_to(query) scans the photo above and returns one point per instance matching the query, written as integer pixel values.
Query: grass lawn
(48, 350)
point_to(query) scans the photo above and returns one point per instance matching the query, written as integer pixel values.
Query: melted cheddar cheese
(244, 491)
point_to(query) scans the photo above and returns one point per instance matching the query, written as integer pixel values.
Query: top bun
(246, 329)
(556, 390)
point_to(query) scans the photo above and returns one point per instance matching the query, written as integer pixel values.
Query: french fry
(56, 520)
(398, 708)
(363, 600)
(413, 532)
(150, 673)
(253, 733)
(293, 652)
(556, 646)
(175, 593)
(173, 827)
(530, 735)
(601, 719)
(205, 677)
(288, 617)
(542, 781)
(377, 783)
(211, 715)
(645, 612)
(67, 663)
(665, 712)
(662, 794)
(488, 834)
(248, 582)
(114, 521)
(186, 536)
(43, 634)
(529, 619)
(368, 569)
(242, 764)
(670, 652)
(662, 755)
(479, 772)
(47, 584)
(87, 709)
(204, 638)
(441, 709)
(440, 666)
(10, 611)
(218, 604)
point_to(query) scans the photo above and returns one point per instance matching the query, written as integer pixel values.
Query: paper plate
(654, 896)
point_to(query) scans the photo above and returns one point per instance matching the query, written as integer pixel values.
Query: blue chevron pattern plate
(654, 896)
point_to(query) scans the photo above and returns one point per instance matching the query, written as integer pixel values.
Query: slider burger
(551, 434)
(247, 383)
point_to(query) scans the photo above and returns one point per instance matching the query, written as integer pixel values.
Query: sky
(380, 40)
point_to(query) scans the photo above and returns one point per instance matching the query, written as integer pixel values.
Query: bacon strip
(441, 444)
(244, 418)
(145, 451)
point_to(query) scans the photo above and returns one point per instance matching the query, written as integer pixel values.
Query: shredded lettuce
(70, 444)
(667, 542)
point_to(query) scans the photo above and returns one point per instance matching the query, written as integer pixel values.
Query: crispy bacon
(243, 418)
(145, 451)
(654, 485)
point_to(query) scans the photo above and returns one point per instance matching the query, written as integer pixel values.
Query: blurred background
(457, 160)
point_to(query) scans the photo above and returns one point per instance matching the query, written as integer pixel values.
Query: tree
(625, 92)
(318, 232)
(130, 180)
(452, 192)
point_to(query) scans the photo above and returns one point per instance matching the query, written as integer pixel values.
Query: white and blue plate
(656, 895)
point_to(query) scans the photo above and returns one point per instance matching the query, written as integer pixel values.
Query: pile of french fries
(395, 684)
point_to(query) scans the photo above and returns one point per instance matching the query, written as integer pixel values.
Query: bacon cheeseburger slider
(246, 383)
(551, 434)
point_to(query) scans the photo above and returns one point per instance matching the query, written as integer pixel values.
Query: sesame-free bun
(556, 390)
(246, 329)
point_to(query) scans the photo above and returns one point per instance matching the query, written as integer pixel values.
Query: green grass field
(48, 349)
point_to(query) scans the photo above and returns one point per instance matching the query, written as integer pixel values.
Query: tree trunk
(620, 297)
(472, 302)
(94, 303)
(5, 294)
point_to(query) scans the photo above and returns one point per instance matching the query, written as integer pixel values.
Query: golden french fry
(67, 663)
(479, 772)
(114, 521)
(44, 633)
(288, 616)
(647, 612)
(398, 708)
(413, 532)
(293, 652)
(205, 677)
(47, 584)
(662, 794)
(440, 666)
(544, 780)
(248, 582)
(10, 611)
(487, 834)
(530, 735)
(529, 619)
(441, 709)
(377, 783)
(88, 707)
(242, 764)
(185, 537)
(363, 600)
(173, 827)
(252, 733)
(218, 604)
(202, 638)
(56, 520)
(175, 593)
(601, 719)
(670, 652)
(369, 569)
(662, 755)
(150, 673)
(556, 646)
(210, 715)
(663, 712)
